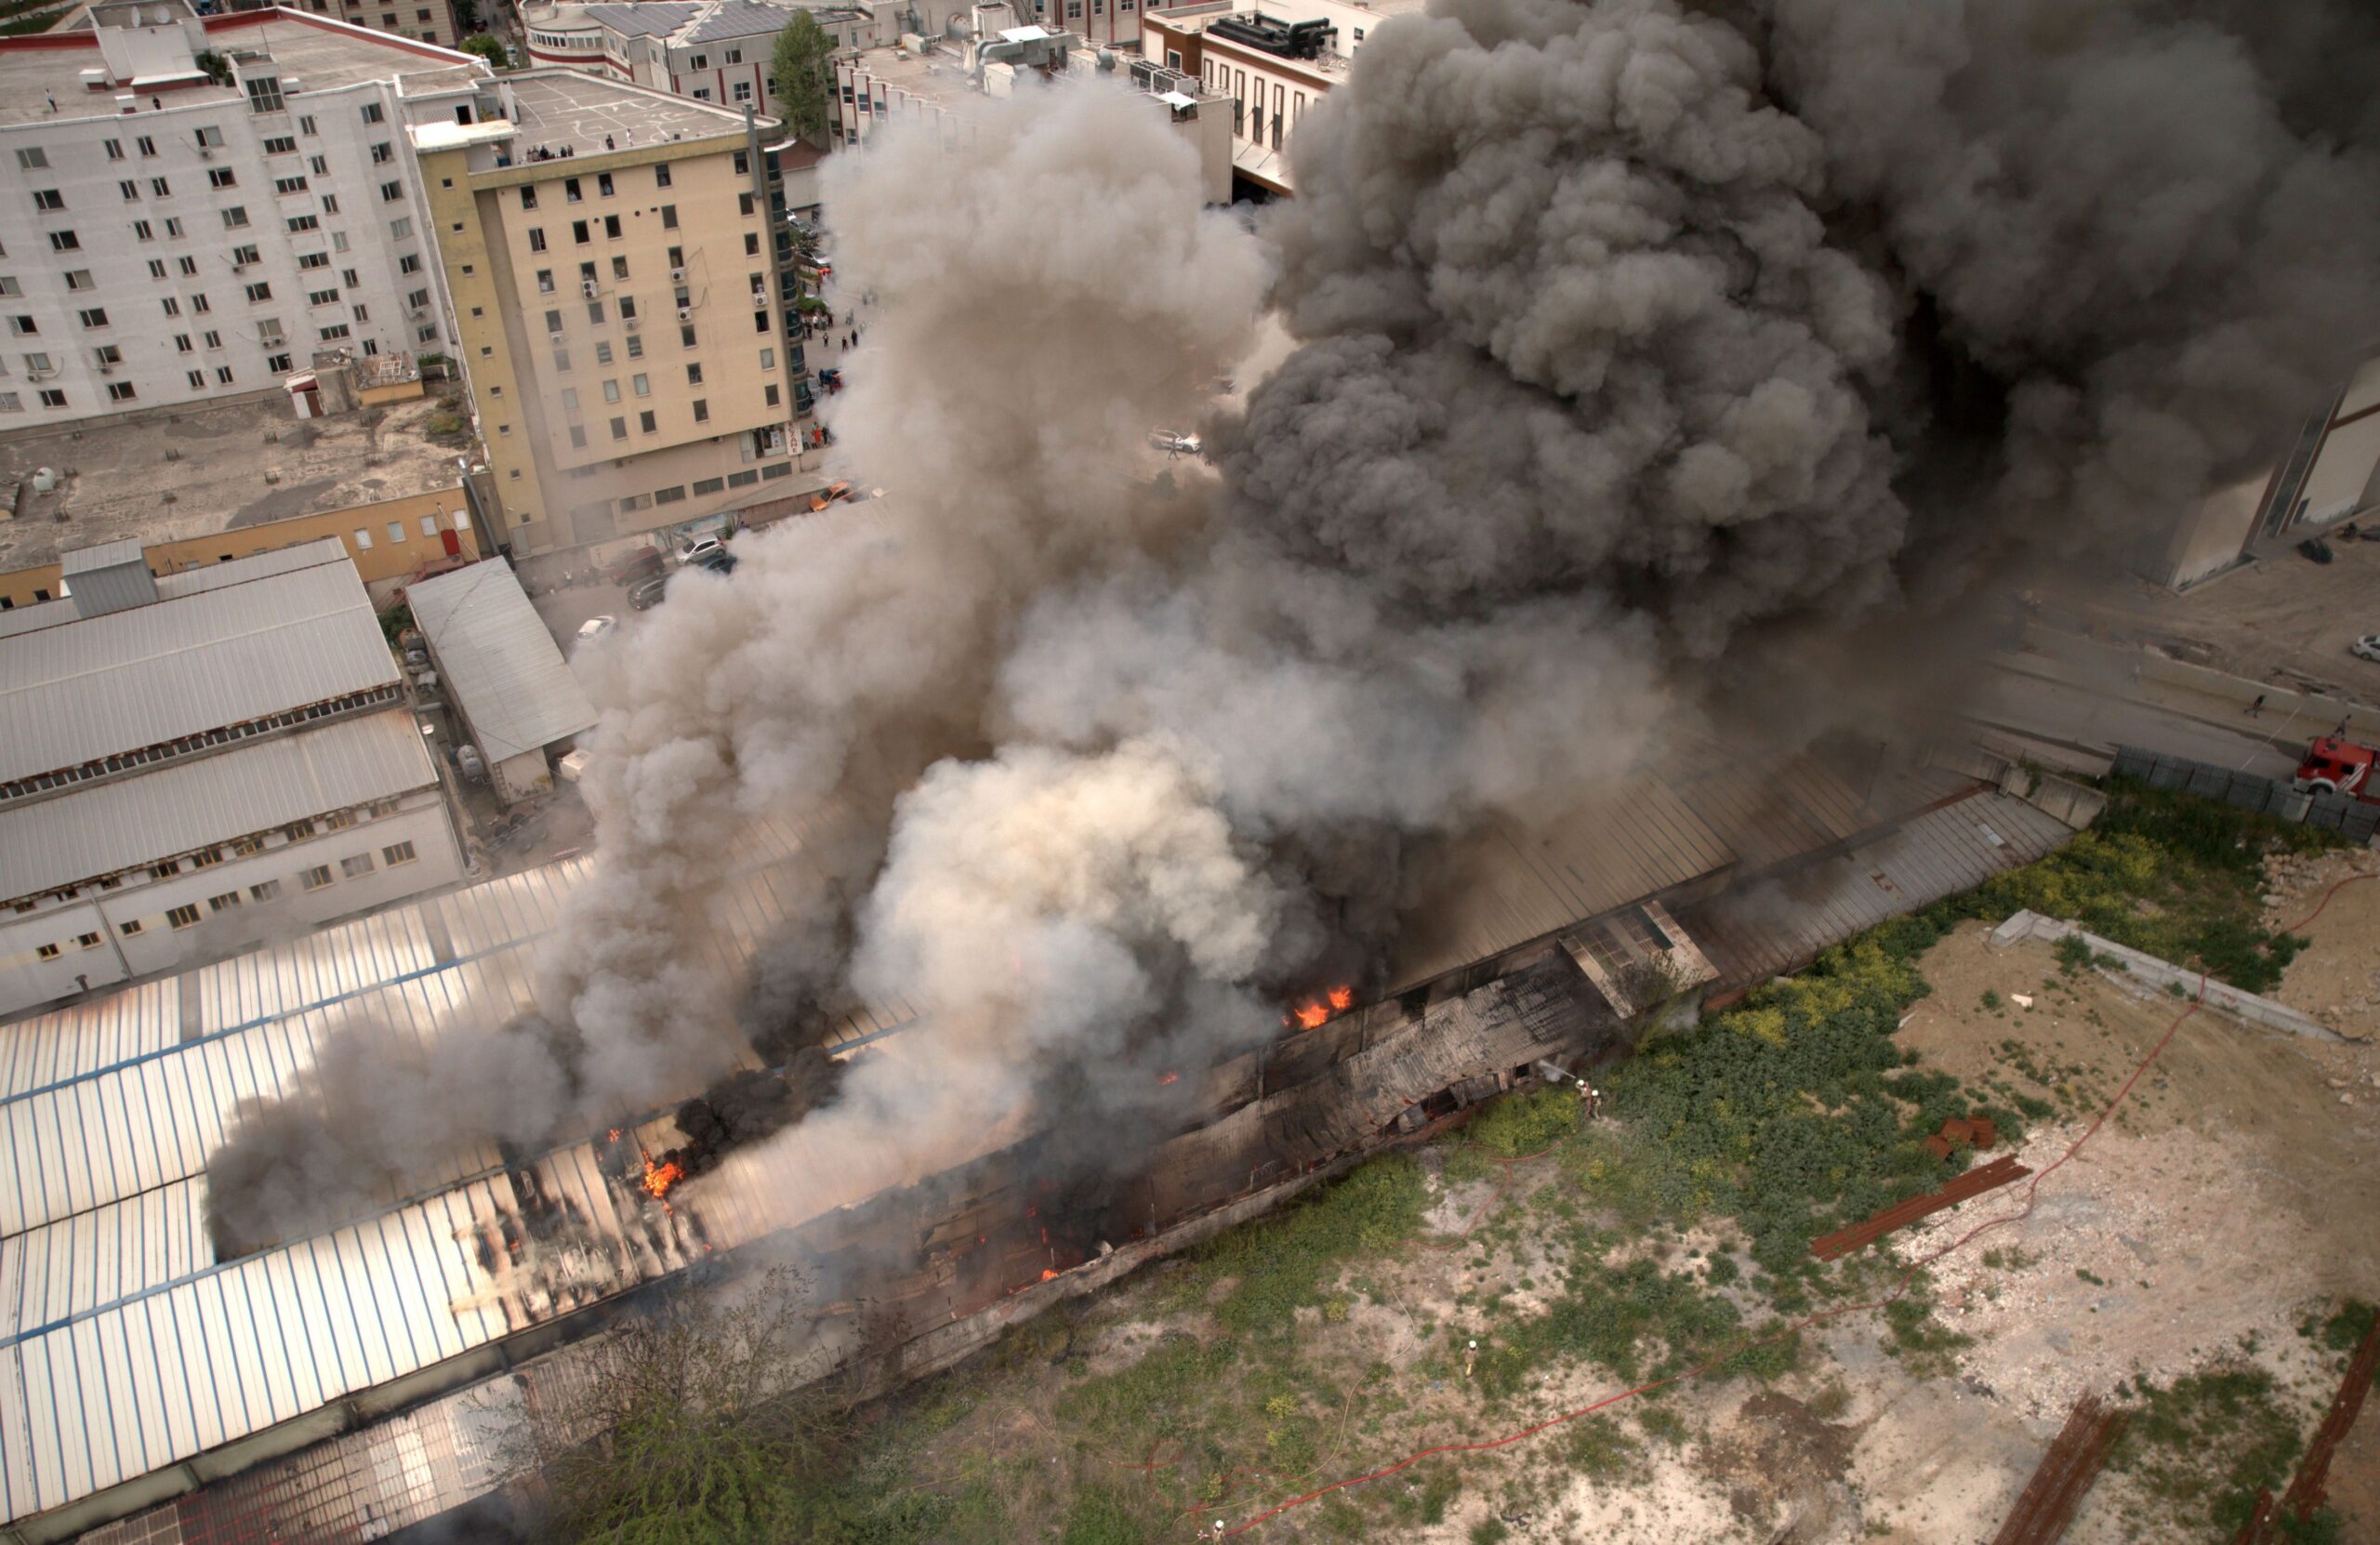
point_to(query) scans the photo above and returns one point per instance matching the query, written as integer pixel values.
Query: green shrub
(1286, 1261)
(1099, 1517)
(1529, 1122)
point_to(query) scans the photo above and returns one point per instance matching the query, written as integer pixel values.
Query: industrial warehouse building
(515, 692)
(198, 761)
(339, 1386)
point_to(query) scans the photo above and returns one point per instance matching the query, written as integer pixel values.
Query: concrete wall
(155, 943)
(2164, 974)
(521, 777)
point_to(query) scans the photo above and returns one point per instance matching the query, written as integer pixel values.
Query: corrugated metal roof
(189, 582)
(126, 1347)
(497, 657)
(239, 651)
(251, 787)
(107, 555)
(1780, 921)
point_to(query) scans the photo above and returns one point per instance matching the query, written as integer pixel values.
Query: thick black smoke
(1620, 329)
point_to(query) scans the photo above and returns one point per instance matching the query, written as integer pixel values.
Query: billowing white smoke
(1620, 328)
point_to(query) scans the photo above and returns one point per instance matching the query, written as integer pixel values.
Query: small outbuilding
(517, 697)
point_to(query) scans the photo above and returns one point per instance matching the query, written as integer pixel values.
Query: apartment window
(770, 395)
(396, 853)
(706, 486)
(65, 241)
(578, 232)
(579, 437)
(78, 279)
(284, 186)
(266, 891)
(347, 277)
(686, 334)
(223, 903)
(313, 260)
(107, 354)
(183, 917)
(197, 379)
(545, 280)
(702, 410)
(222, 375)
(306, 127)
(635, 340)
(528, 196)
(744, 205)
(173, 229)
(120, 391)
(129, 930)
(409, 263)
(129, 189)
(430, 525)
(142, 231)
(761, 320)
(222, 177)
(260, 291)
(741, 91)
(400, 230)
(235, 219)
(23, 327)
(11, 403)
(32, 158)
(114, 148)
(242, 256)
(389, 193)
(661, 176)
(321, 298)
(47, 952)
(611, 391)
(743, 164)
(602, 351)
(96, 317)
(702, 62)
(278, 364)
(172, 304)
(299, 224)
(417, 298)
(182, 345)
(87, 941)
(209, 138)
(619, 429)
(768, 359)
(297, 831)
(669, 216)
(333, 333)
(53, 399)
(145, 145)
(641, 386)
(281, 144)
(595, 312)
(553, 322)
(645, 421)
(315, 878)
(745, 479)
(612, 226)
(670, 496)
(603, 184)
(363, 542)
(371, 114)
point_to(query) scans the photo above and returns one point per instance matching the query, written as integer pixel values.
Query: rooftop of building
(921, 73)
(498, 660)
(322, 53)
(564, 110)
(651, 19)
(272, 634)
(226, 465)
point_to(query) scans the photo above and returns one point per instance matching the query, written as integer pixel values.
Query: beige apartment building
(614, 283)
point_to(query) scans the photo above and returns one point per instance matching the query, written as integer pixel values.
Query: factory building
(344, 1385)
(519, 703)
(173, 236)
(198, 761)
(616, 291)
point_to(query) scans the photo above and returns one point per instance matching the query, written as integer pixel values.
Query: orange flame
(659, 1178)
(1315, 1015)
(1169, 1078)
(1047, 1272)
(614, 1137)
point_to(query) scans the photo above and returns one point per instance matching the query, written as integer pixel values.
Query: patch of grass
(1529, 1122)
(1153, 1397)
(2090, 1276)
(1285, 1262)
(1599, 1449)
(1490, 1531)
(1990, 1001)
(1099, 1517)
(1923, 1343)
(2204, 1446)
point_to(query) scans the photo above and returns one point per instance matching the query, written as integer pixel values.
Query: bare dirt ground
(2282, 619)
(2231, 1199)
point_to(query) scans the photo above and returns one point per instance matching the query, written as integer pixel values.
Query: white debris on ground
(2144, 1256)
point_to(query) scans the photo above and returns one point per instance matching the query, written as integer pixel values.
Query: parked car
(719, 561)
(648, 594)
(468, 759)
(2366, 648)
(597, 628)
(636, 566)
(1175, 444)
(2315, 548)
(828, 494)
(696, 551)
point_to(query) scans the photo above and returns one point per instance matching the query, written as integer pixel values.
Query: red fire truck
(2336, 765)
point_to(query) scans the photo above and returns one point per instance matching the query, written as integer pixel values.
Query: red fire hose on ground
(1900, 1288)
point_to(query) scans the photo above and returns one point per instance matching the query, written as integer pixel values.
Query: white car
(702, 550)
(1174, 444)
(597, 628)
(2366, 648)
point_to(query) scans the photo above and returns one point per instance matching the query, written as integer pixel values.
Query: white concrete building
(711, 50)
(1269, 61)
(201, 761)
(517, 696)
(169, 239)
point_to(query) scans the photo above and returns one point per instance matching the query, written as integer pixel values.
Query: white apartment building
(199, 761)
(1269, 61)
(711, 50)
(166, 238)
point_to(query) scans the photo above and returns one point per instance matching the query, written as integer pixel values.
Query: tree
(489, 48)
(803, 77)
(690, 1425)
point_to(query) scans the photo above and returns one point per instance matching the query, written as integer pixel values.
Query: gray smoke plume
(1620, 329)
